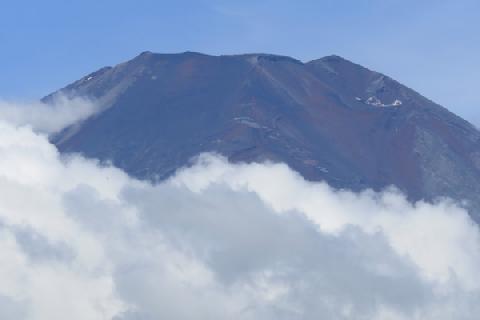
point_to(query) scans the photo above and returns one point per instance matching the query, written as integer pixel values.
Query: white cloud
(412, 229)
(81, 240)
(48, 117)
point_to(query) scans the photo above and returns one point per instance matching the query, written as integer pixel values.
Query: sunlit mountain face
(329, 119)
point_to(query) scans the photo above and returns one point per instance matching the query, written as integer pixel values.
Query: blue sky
(431, 46)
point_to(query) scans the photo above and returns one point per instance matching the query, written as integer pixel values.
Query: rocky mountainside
(329, 119)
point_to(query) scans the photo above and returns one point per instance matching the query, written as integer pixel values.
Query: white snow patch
(249, 122)
(374, 101)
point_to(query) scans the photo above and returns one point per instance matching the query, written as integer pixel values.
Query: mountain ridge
(329, 119)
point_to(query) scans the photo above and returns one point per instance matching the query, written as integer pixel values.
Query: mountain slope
(329, 119)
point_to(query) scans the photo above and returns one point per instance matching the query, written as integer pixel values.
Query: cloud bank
(50, 117)
(82, 240)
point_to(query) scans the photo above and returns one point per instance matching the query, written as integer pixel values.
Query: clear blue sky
(432, 46)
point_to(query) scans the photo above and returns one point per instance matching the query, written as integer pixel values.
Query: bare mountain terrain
(329, 119)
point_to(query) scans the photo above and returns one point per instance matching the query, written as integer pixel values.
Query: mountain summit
(329, 119)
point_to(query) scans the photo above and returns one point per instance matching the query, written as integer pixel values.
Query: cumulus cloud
(49, 117)
(83, 240)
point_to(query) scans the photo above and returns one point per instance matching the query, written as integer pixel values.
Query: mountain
(329, 119)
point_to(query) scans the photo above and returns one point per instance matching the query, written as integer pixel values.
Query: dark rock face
(328, 119)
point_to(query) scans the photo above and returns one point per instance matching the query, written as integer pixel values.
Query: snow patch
(249, 122)
(374, 101)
